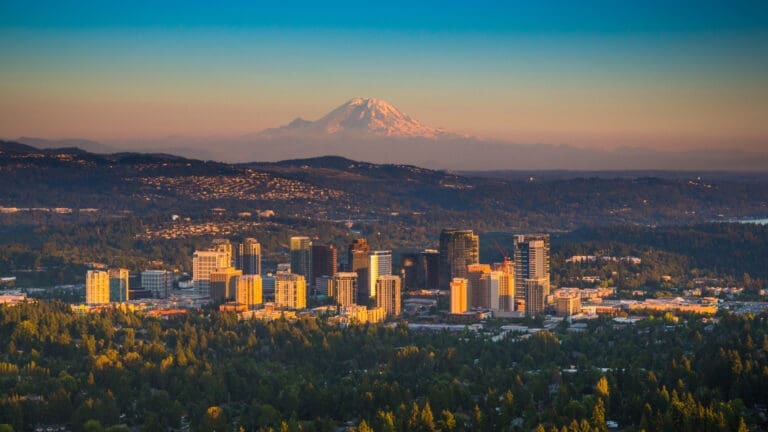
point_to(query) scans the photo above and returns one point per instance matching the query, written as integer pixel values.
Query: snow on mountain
(362, 116)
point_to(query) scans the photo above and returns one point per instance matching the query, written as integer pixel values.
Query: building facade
(248, 258)
(119, 284)
(534, 296)
(223, 285)
(290, 291)
(96, 287)
(459, 303)
(531, 260)
(301, 257)
(458, 249)
(379, 264)
(248, 290)
(345, 288)
(159, 282)
(388, 294)
(203, 264)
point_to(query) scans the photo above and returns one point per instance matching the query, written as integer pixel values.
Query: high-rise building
(324, 286)
(345, 288)
(248, 257)
(409, 270)
(429, 269)
(268, 287)
(301, 257)
(119, 284)
(534, 296)
(506, 289)
(357, 261)
(203, 264)
(476, 290)
(224, 245)
(388, 294)
(531, 260)
(493, 284)
(248, 290)
(158, 282)
(458, 249)
(419, 270)
(324, 260)
(379, 264)
(459, 298)
(223, 284)
(568, 301)
(96, 287)
(290, 291)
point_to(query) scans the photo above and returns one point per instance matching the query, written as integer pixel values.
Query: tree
(448, 421)
(602, 387)
(93, 426)
(427, 419)
(213, 420)
(598, 416)
(364, 427)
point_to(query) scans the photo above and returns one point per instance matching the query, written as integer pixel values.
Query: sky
(597, 74)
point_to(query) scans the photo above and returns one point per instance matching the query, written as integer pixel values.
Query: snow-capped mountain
(362, 117)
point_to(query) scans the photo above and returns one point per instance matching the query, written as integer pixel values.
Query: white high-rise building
(203, 264)
(379, 264)
(290, 291)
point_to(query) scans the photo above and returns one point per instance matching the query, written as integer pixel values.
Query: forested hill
(335, 188)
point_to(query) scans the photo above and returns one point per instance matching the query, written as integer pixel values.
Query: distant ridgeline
(335, 188)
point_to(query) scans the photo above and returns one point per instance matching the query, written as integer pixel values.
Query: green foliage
(311, 376)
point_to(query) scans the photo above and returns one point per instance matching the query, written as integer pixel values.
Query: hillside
(336, 188)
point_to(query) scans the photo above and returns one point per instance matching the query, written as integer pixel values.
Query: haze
(603, 75)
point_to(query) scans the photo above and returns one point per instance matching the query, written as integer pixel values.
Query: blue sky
(590, 73)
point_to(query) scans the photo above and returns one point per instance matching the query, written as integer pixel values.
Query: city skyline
(686, 76)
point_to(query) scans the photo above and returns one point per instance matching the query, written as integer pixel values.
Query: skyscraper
(290, 291)
(96, 287)
(534, 296)
(429, 269)
(324, 260)
(531, 261)
(301, 257)
(223, 284)
(458, 249)
(459, 299)
(118, 284)
(249, 257)
(379, 264)
(224, 245)
(477, 293)
(248, 290)
(203, 263)
(493, 284)
(409, 269)
(357, 261)
(388, 294)
(507, 288)
(345, 288)
(159, 282)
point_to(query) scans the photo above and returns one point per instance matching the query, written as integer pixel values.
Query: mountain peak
(364, 117)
